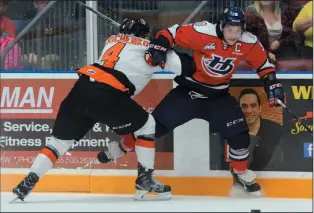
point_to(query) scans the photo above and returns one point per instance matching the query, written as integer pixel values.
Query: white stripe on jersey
(173, 30)
(267, 64)
(131, 61)
(212, 87)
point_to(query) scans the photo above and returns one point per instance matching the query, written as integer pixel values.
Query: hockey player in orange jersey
(217, 49)
(103, 93)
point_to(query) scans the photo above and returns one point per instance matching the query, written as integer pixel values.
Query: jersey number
(111, 56)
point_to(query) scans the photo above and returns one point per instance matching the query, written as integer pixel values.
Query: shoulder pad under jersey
(205, 27)
(248, 38)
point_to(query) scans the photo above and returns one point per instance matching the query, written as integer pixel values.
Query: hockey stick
(194, 12)
(99, 14)
(293, 115)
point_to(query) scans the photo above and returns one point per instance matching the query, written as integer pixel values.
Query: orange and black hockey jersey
(216, 61)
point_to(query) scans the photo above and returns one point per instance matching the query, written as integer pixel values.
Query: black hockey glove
(274, 90)
(156, 55)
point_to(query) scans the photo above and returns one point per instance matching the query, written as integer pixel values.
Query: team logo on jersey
(218, 66)
(91, 71)
(210, 46)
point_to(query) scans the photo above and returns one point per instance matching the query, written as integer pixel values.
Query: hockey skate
(145, 183)
(244, 185)
(24, 188)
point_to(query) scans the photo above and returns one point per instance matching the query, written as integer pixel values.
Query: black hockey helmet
(135, 26)
(233, 16)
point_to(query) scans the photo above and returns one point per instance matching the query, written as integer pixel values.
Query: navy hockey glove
(156, 55)
(274, 90)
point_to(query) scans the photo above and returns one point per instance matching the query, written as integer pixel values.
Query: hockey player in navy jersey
(217, 49)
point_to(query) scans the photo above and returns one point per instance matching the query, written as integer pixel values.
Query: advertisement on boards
(278, 142)
(29, 107)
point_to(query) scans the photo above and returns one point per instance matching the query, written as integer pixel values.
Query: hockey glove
(156, 55)
(274, 90)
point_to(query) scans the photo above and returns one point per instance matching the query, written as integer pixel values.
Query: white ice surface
(68, 202)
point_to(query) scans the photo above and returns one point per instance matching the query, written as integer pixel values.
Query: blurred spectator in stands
(39, 54)
(298, 4)
(6, 24)
(39, 5)
(256, 25)
(271, 22)
(56, 41)
(12, 59)
(304, 24)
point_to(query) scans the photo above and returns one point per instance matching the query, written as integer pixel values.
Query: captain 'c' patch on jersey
(218, 66)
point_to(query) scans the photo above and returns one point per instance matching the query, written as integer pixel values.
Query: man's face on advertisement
(250, 108)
